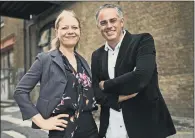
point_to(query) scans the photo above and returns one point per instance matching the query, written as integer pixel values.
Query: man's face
(110, 24)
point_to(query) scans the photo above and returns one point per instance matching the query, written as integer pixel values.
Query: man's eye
(102, 23)
(113, 20)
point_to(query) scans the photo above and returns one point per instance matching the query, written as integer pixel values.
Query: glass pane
(2, 21)
(44, 40)
(53, 34)
(11, 58)
(46, 48)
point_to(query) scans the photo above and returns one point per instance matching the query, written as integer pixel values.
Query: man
(125, 81)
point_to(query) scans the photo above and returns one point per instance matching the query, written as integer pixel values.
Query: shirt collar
(107, 47)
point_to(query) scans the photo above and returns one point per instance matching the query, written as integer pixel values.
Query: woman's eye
(64, 28)
(74, 27)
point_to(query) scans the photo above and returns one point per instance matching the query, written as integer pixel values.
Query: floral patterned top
(78, 96)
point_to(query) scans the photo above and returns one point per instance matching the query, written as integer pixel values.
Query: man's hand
(121, 97)
(126, 97)
(52, 123)
(101, 85)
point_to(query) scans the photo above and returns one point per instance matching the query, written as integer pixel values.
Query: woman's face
(68, 31)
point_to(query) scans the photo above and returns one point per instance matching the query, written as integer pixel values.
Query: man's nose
(109, 25)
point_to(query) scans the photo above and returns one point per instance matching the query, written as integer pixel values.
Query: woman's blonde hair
(55, 43)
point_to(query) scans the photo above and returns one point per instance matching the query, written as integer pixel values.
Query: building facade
(170, 23)
(12, 55)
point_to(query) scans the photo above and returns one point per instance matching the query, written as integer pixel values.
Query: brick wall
(171, 24)
(15, 26)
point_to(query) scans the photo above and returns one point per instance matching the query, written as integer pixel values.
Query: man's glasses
(105, 22)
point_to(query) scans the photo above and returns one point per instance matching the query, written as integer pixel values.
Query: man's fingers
(58, 128)
(126, 97)
(135, 94)
(132, 95)
(62, 115)
(61, 124)
(63, 121)
(100, 84)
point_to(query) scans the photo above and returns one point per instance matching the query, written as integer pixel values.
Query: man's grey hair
(105, 6)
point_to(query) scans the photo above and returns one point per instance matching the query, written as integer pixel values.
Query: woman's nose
(70, 31)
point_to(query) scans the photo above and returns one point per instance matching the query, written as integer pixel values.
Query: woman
(66, 98)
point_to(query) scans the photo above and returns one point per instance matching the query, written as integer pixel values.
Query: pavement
(12, 125)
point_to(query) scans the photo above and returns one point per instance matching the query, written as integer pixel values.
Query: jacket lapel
(124, 45)
(56, 57)
(105, 64)
(85, 65)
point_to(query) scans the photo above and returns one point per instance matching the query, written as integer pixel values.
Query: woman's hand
(52, 123)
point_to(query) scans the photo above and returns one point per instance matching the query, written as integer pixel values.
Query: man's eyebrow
(113, 18)
(109, 19)
(102, 20)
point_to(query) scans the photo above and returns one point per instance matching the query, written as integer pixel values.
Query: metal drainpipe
(26, 27)
(24, 31)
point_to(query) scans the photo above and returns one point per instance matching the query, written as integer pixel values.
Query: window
(45, 37)
(6, 63)
(46, 34)
(2, 21)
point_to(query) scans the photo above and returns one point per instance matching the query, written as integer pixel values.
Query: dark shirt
(78, 96)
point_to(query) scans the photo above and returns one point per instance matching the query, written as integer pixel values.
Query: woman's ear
(56, 32)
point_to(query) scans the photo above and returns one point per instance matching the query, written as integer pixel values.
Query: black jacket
(146, 115)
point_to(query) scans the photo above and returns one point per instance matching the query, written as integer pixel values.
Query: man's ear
(97, 23)
(122, 22)
(98, 26)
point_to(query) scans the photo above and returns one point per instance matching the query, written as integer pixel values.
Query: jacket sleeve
(25, 86)
(101, 97)
(135, 81)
